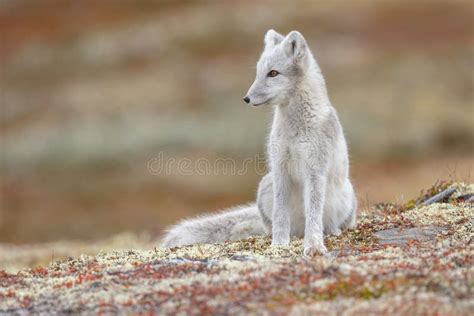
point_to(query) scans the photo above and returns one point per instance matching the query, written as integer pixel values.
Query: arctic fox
(307, 192)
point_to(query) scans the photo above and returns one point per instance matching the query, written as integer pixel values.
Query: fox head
(282, 65)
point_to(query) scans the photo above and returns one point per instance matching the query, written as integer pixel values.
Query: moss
(352, 288)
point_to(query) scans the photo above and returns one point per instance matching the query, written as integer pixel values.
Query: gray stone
(401, 236)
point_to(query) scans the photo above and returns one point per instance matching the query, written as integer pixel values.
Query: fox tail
(232, 224)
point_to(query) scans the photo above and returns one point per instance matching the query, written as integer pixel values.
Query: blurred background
(92, 91)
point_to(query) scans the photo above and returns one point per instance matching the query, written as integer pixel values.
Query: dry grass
(359, 276)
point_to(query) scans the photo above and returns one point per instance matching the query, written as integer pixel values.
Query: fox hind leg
(265, 201)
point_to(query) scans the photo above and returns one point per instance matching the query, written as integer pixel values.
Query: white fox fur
(231, 224)
(307, 192)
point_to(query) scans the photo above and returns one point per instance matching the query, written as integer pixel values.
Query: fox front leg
(314, 194)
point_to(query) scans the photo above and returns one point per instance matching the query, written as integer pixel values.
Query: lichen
(359, 275)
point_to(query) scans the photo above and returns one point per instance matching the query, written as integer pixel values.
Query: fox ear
(273, 38)
(294, 45)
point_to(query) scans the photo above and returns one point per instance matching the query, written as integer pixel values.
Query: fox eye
(273, 73)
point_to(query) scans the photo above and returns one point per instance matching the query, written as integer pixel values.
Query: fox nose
(247, 99)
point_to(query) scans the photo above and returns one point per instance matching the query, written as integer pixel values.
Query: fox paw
(335, 232)
(314, 250)
(280, 243)
(280, 240)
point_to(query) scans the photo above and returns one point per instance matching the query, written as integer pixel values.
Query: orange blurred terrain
(91, 91)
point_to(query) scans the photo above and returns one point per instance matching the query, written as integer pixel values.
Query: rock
(241, 258)
(401, 236)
